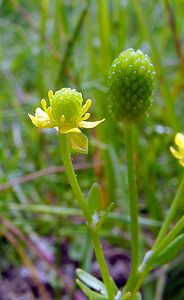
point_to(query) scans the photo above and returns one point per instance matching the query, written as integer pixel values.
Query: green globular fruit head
(67, 102)
(131, 84)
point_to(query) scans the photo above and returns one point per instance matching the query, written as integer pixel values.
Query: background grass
(52, 44)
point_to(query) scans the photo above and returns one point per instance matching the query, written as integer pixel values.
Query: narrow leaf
(92, 295)
(93, 199)
(91, 282)
(105, 215)
(170, 252)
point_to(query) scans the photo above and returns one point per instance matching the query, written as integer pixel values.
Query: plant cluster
(131, 84)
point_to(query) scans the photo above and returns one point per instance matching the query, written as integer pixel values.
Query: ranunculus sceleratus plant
(131, 84)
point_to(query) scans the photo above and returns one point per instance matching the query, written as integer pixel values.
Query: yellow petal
(179, 140)
(40, 122)
(86, 124)
(176, 153)
(78, 142)
(39, 113)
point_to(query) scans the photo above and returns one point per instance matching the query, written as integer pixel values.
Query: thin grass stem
(170, 216)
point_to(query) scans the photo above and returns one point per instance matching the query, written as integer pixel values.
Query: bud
(131, 84)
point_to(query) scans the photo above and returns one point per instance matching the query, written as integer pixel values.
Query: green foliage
(172, 250)
(52, 44)
(169, 253)
(92, 283)
(93, 199)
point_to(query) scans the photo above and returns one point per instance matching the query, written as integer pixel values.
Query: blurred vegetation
(52, 44)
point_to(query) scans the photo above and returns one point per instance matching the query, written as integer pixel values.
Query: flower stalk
(133, 204)
(67, 115)
(65, 153)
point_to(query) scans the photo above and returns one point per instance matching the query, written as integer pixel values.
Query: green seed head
(67, 102)
(131, 84)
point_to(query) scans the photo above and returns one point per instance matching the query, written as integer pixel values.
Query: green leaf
(170, 252)
(93, 199)
(91, 282)
(78, 142)
(138, 297)
(92, 295)
(105, 215)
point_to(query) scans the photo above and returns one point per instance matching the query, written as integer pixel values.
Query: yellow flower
(179, 153)
(67, 115)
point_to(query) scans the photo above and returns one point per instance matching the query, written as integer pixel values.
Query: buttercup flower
(179, 154)
(67, 115)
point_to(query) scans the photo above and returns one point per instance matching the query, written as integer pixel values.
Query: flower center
(67, 102)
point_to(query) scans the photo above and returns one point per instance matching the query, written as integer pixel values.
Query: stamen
(50, 94)
(62, 119)
(49, 112)
(44, 104)
(86, 116)
(86, 106)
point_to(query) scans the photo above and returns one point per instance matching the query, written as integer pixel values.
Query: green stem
(65, 153)
(138, 283)
(133, 204)
(177, 200)
(102, 264)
